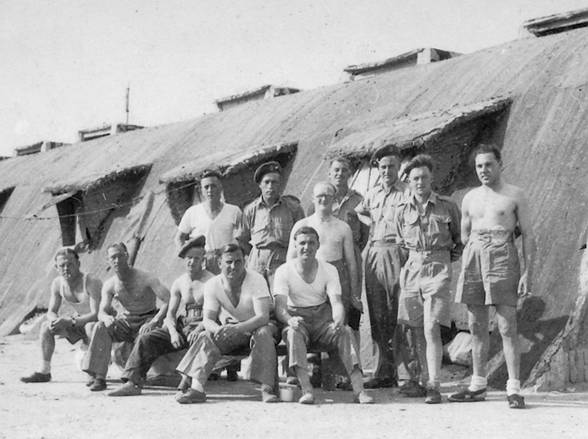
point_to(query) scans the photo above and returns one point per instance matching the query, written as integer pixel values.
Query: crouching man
(181, 326)
(241, 295)
(303, 288)
(81, 293)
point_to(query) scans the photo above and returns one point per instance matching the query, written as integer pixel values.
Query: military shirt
(380, 205)
(265, 225)
(436, 228)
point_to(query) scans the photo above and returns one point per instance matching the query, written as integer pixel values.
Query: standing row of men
(414, 235)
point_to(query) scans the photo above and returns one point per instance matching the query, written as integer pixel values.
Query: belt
(382, 242)
(270, 246)
(492, 234)
(436, 251)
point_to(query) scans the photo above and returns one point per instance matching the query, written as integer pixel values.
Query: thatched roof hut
(528, 95)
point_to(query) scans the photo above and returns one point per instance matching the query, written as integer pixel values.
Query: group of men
(269, 273)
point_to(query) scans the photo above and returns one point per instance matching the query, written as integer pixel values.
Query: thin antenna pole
(127, 102)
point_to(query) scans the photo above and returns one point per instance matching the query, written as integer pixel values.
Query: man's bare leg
(47, 347)
(506, 317)
(478, 324)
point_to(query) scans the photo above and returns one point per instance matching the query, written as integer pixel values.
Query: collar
(261, 202)
(399, 186)
(433, 199)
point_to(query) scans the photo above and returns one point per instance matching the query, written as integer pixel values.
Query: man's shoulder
(249, 207)
(446, 200)
(232, 208)
(292, 202)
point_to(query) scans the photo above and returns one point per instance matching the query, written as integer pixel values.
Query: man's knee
(507, 327)
(45, 330)
(263, 332)
(477, 329)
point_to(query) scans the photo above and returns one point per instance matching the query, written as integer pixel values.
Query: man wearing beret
(268, 221)
(383, 261)
(182, 323)
(218, 221)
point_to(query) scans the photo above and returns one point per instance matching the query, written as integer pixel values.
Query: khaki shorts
(490, 270)
(424, 288)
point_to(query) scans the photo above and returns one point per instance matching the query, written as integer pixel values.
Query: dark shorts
(490, 270)
(424, 286)
(72, 334)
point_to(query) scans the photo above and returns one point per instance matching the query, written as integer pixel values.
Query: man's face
(211, 188)
(420, 180)
(193, 260)
(487, 168)
(67, 266)
(232, 265)
(306, 246)
(270, 185)
(323, 197)
(339, 173)
(388, 167)
(118, 259)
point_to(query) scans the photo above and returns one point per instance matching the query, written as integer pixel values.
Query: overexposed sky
(66, 64)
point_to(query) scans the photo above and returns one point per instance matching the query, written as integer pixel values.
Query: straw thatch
(542, 134)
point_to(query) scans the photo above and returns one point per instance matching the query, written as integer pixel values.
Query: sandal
(516, 401)
(468, 396)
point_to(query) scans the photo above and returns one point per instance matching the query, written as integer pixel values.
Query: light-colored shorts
(424, 288)
(490, 270)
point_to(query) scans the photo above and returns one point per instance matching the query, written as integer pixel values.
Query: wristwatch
(73, 321)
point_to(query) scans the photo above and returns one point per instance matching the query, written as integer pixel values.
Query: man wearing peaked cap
(383, 261)
(268, 221)
(182, 324)
(218, 221)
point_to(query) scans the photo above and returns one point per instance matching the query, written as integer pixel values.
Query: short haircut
(232, 248)
(327, 184)
(118, 246)
(342, 159)
(65, 251)
(208, 173)
(419, 161)
(306, 230)
(487, 148)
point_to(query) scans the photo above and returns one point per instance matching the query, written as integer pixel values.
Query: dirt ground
(64, 408)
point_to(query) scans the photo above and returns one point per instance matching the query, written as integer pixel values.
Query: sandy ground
(65, 408)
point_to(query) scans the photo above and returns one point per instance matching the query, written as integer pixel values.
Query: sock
(356, 381)
(197, 386)
(478, 383)
(434, 384)
(513, 386)
(45, 367)
(100, 377)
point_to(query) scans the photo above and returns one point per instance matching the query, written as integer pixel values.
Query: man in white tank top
(218, 221)
(80, 293)
(308, 300)
(242, 296)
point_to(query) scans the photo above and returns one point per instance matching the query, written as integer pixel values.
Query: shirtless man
(308, 300)
(490, 274)
(81, 293)
(336, 248)
(219, 222)
(136, 291)
(239, 298)
(182, 323)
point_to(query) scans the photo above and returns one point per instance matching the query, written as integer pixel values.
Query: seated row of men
(414, 235)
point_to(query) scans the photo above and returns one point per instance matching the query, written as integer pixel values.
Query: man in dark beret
(268, 221)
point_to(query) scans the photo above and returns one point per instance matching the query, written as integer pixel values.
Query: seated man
(241, 295)
(303, 288)
(136, 291)
(81, 292)
(181, 326)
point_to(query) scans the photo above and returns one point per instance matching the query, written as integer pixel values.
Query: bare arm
(94, 287)
(338, 310)
(175, 297)
(54, 301)
(455, 230)
(106, 302)
(466, 220)
(349, 255)
(163, 294)
(528, 247)
(261, 308)
(209, 320)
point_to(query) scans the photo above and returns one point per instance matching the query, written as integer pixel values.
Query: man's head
(118, 257)
(269, 179)
(387, 159)
(323, 196)
(211, 186)
(193, 253)
(487, 161)
(340, 170)
(306, 241)
(232, 262)
(67, 263)
(420, 175)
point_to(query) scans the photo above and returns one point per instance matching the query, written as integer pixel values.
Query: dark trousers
(382, 270)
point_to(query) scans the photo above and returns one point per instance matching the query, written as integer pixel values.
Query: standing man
(490, 274)
(308, 301)
(136, 291)
(428, 228)
(81, 293)
(336, 248)
(383, 261)
(218, 221)
(241, 295)
(182, 323)
(268, 221)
